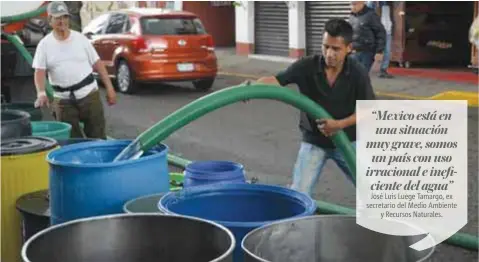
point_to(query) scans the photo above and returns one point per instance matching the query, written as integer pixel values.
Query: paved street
(262, 135)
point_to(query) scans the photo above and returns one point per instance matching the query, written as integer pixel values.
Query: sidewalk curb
(471, 97)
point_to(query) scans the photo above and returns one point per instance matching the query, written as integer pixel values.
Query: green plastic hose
(178, 161)
(206, 104)
(24, 52)
(462, 240)
(24, 16)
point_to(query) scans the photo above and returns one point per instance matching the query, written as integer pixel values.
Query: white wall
(245, 22)
(178, 5)
(297, 25)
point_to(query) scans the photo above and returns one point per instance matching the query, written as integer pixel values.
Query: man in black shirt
(335, 81)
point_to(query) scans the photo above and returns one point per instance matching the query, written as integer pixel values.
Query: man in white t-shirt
(69, 59)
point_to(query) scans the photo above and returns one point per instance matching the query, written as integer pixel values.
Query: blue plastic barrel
(239, 207)
(209, 172)
(84, 182)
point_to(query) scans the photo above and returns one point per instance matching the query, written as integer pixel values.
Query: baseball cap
(57, 8)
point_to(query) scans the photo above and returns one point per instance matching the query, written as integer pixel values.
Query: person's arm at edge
(105, 78)
(100, 68)
(39, 78)
(39, 64)
(348, 121)
(379, 33)
(268, 80)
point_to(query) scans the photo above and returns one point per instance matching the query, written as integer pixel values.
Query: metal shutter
(317, 14)
(271, 28)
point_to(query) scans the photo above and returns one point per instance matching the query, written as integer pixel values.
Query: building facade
(423, 32)
(284, 28)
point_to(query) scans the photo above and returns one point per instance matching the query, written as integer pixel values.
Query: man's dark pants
(365, 58)
(88, 110)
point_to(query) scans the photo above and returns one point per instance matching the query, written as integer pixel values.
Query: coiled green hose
(459, 239)
(208, 103)
(18, 44)
(24, 16)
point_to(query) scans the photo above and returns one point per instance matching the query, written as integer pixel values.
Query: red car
(153, 45)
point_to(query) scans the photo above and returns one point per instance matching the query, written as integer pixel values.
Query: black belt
(86, 81)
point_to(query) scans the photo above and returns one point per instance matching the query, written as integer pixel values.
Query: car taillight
(140, 45)
(210, 44)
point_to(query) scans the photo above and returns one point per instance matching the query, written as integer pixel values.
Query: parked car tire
(125, 81)
(204, 84)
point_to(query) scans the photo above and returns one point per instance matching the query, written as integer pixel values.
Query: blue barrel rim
(230, 250)
(50, 158)
(194, 170)
(308, 202)
(255, 230)
(72, 141)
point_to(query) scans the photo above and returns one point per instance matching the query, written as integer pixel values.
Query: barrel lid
(36, 203)
(26, 145)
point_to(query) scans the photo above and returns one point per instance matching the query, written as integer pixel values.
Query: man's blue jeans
(310, 163)
(387, 53)
(365, 58)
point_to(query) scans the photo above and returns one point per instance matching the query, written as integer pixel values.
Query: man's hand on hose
(378, 57)
(329, 126)
(246, 83)
(42, 100)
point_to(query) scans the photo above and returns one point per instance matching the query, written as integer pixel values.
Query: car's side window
(97, 25)
(127, 24)
(199, 26)
(117, 24)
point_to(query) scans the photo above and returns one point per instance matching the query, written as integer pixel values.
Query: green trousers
(88, 110)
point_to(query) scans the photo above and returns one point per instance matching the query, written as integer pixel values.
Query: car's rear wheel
(204, 84)
(125, 81)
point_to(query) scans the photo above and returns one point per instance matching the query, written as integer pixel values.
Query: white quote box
(412, 167)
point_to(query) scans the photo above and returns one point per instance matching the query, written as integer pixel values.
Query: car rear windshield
(171, 26)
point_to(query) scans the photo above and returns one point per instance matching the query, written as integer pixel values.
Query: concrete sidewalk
(399, 87)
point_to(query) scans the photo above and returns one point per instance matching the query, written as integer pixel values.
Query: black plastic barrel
(34, 209)
(15, 124)
(132, 238)
(29, 107)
